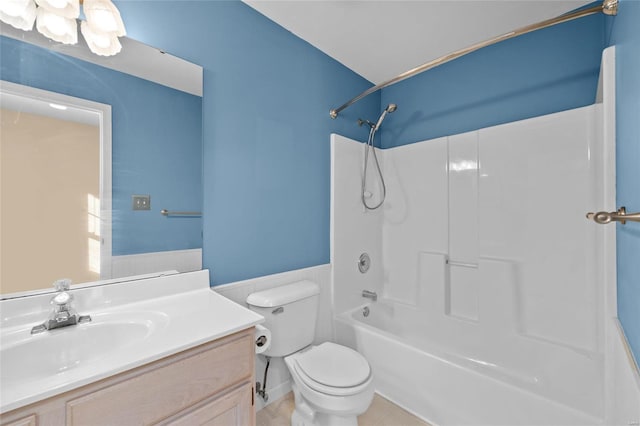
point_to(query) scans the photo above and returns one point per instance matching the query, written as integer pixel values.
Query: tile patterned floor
(382, 412)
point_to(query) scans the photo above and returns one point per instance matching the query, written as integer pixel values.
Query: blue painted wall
(266, 131)
(625, 35)
(156, 143)
(543, 72)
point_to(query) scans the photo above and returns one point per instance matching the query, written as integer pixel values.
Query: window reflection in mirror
(52, 149)
(48, 162)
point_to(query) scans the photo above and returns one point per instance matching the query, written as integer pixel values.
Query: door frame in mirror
(103, 112)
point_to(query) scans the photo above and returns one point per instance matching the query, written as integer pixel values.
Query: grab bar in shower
(166, 212)
(618, 216)
(461, 264)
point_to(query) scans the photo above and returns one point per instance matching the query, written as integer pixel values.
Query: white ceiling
(380, 39)
(36, 106)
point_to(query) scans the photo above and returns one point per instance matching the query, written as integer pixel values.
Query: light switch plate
(141, 202)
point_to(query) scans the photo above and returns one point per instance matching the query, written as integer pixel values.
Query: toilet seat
(333, 369)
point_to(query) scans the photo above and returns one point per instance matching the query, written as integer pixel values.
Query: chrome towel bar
(618, 216)
(166, 212)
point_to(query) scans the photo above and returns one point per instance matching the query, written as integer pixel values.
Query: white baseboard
(145, 263)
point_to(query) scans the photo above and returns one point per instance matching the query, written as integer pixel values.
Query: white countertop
(190, 315)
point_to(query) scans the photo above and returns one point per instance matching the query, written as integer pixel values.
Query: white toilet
(332, 384)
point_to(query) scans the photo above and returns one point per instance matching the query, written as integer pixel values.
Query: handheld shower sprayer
(369, 147)
(389, 109)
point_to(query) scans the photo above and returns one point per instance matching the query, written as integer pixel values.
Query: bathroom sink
(133, 323)
(24, 356)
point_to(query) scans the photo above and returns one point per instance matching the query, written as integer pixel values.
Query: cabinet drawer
(154, 395)
(231, 409)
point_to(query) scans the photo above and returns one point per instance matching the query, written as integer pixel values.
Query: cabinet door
(27, 421)
(169, 389)
(232, 409)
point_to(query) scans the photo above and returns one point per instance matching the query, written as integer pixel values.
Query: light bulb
(57, 28)
(18, 13)
(103, 44)
(66, 8)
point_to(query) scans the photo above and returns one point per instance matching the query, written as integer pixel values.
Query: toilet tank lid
(283, 295)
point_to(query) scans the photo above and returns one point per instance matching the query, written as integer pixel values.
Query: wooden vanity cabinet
(211, 384)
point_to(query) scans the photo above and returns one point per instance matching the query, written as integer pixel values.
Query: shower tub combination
(441, 383)
(490, 312)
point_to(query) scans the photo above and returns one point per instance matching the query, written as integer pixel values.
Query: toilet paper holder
(261, 341)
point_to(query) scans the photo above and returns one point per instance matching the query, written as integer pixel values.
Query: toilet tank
(290, 313)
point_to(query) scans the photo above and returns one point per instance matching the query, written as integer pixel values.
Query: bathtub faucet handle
(370, 295)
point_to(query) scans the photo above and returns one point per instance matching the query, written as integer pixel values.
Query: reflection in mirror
(156, 151)
(55, 203)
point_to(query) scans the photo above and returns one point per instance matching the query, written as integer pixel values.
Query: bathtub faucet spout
(370, 295)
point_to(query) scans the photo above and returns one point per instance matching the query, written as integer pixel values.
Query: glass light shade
(15, 7)
(66, 8)
(103, 44)
(103, 17)
(18, 13)
(57, 28)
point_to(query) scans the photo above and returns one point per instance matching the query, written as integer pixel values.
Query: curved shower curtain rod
(608, 7)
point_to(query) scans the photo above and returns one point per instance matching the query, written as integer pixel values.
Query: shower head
(389, 109)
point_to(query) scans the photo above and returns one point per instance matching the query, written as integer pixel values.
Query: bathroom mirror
(147, 159)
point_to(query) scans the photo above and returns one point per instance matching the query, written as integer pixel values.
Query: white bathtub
(470, 377)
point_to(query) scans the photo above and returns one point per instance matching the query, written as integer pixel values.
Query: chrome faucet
(370, 295)
(63, 314)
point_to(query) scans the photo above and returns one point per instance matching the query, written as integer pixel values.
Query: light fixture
(102, 16)
(58, 106)
(103, 44)
(57, 20)
(66, 8)
(20, 14)
(57, 27)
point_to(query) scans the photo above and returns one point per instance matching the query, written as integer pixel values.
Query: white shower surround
(520, 337)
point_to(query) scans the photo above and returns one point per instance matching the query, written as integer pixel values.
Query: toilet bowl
(332, 384)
